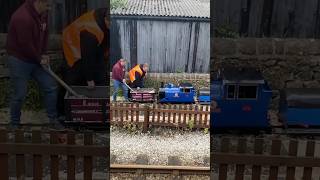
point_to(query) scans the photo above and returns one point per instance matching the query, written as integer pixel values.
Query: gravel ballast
(186, 148)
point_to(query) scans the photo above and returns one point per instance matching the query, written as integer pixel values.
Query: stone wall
(283, 62)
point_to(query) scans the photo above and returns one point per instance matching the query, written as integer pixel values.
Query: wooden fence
(165, 115)
(264, 161)
(20, 148)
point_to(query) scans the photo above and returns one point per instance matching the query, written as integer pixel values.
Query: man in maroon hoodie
(118, 76)
(26, 45)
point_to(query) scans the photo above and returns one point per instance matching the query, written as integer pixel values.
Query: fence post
(146, 119)
(4, 163)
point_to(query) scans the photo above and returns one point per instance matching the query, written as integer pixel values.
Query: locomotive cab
(241, 99)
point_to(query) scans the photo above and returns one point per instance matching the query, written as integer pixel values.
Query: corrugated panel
(167, 46)
(175, 8)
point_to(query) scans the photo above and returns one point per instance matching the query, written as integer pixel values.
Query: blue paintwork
(175, 94)
(204, 99)
(239, 113)
(301, 116)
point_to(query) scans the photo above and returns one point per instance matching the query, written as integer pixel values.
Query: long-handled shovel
(132, 89)
(47, 68)
(128, 86)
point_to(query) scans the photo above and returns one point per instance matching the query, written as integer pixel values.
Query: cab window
(231, 92)
(247, 92)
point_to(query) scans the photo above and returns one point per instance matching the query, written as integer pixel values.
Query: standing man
(85, 47)
(26, 46)
(137, 75)
(118, 76)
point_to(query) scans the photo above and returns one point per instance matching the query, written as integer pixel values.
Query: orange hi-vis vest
(132, 73)
(71, 36)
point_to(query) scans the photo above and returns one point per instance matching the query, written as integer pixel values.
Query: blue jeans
(20, 73)
(116, 85)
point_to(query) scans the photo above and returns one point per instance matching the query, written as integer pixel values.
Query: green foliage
(179, 71)
(33, 100)
(4, 93)
(226, 31)
(191, 123)
(130, 127)
(115, 4)
(206, 130)
(34, 97)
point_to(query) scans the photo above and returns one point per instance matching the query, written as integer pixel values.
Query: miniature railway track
(155, 169)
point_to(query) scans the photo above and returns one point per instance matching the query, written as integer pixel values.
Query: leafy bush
(4, 93)
(33, 100)
(226, 31)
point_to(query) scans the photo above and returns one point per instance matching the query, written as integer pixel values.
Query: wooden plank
(127, 112)
(307, 171)
(132, 113)
(71, 160)
(164, 113)
(137, 113)
(263, 160)
(194, 116)
(159, 120)
(153, 112)
(174, 114)
(242, 146)
(180, 115)
(201, 122)
(189, 107)
(185, 115)
(54, 158)
(87, 166)
(293, 150)
(116, 110)
(185, 110)
(169, 114)
(20, 159)
(223, 168)
(54, 150)
(258, 149)
(4, 166)
(206, 115)
(275, 150)
(121, 113)
(37, 159)
(146, 118)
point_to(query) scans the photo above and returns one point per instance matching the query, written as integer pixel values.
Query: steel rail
(158, 169)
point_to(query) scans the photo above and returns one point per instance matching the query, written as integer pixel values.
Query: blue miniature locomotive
(241, 99)
(300, 107)
(204, 96)
(185, 93)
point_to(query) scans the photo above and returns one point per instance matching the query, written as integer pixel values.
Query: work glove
(45, 60)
